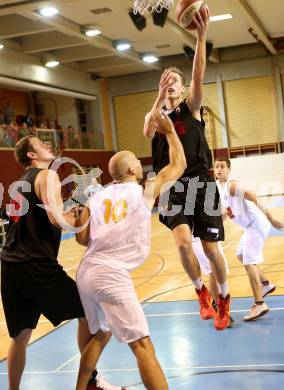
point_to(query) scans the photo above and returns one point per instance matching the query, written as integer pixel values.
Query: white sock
(198, 283)
(223, 289)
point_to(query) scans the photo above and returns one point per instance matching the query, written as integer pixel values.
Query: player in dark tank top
(31, 236)
(193, 216)
(32, 281)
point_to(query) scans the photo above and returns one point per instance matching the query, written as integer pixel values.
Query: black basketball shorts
(33, 288)
(196, 204)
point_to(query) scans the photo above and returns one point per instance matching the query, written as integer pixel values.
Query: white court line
(197, 313)
(234, 366)
(67, 362)
(190, 313)
(203, 367)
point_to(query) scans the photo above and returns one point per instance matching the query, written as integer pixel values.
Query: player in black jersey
(189, 200)
(32, 281)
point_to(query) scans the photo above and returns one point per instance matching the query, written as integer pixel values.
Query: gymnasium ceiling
(256, 30)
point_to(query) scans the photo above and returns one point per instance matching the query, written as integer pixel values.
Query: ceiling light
(1, 46)
(122, 46)
(50, 61)
(150, 59)
(92, 32)
(217, 18)
(51, 64)
(48, 12)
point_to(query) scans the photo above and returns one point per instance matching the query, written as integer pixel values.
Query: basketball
(186, 9)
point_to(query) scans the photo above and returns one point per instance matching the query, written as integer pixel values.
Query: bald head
(122, 164)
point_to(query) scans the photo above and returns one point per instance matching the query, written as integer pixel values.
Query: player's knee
(103, 337)
(211, 253)
(142, 346)
(23, 337)
(185, 247)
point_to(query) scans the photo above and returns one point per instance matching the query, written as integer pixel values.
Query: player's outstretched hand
(165, 82)
(162, 122)
(202, 21)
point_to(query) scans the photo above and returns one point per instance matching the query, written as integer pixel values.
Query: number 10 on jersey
(116, 212)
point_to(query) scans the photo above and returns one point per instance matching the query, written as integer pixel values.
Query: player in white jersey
(118, 240)
(243, 207)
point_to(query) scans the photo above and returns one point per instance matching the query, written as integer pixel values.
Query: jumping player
(195, 182)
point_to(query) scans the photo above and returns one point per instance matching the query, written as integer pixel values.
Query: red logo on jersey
(230, 212)
(180, 127)
(16, 206)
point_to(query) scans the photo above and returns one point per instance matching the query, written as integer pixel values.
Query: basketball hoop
(149, 6)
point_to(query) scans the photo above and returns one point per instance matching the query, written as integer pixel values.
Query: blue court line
(273, 232)
(66, 236)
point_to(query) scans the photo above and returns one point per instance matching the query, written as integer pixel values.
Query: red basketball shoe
(222, 320)
(205, 301)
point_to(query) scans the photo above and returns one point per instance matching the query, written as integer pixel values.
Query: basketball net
(149, 6)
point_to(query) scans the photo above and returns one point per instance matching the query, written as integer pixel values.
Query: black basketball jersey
(30, 236)
(191, 134)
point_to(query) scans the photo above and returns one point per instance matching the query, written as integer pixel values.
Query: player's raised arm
(195, 95)
(173, 171)
(237, 189)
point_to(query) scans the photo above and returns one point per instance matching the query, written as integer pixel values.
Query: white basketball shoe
(257, 311)
(268, 289)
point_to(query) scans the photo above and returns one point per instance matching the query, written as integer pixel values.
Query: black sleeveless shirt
(191, 134)
(30, 237)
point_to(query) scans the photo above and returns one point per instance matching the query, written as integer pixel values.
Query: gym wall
(251, 104)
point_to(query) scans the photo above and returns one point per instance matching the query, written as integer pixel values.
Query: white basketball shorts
(252, 242)
(110, 302)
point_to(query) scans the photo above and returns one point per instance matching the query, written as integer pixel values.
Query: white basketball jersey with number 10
(120, 227)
